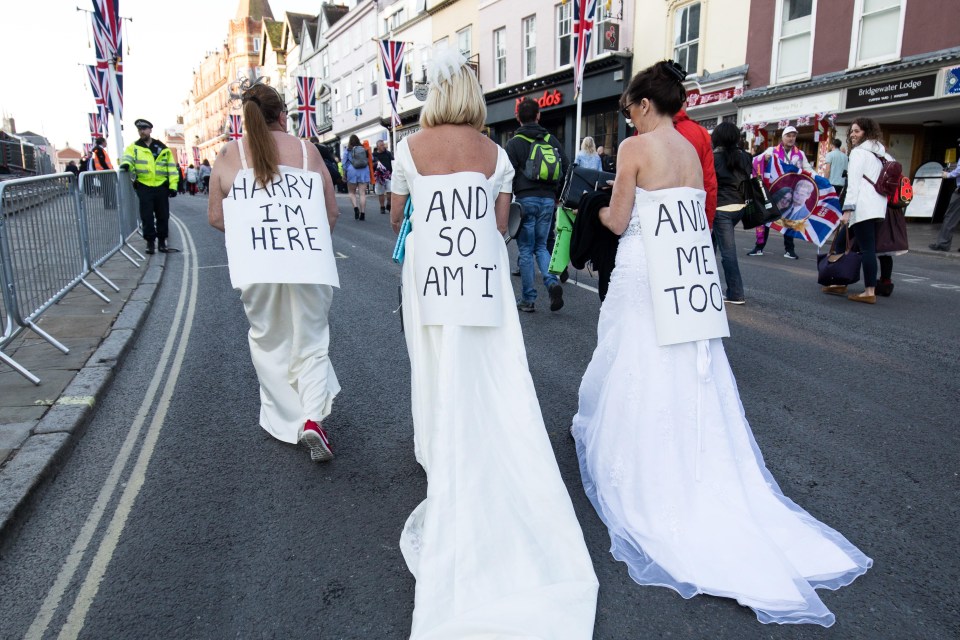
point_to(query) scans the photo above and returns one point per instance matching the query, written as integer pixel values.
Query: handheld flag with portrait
(809, 204)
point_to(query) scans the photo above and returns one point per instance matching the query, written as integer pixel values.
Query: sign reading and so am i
(684, 281)
(278, 232)
(458, 249)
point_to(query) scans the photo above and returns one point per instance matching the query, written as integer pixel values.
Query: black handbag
(839, 268)
(579, 181)
(758, 210)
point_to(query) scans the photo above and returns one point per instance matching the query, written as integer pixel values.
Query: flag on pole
(307, 106)
(196, 156)
(583, 13)
(87, 148)
(234, 127)
(107, 40)
(391, 52)
(96, 125)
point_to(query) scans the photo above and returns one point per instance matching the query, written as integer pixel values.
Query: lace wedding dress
(672, 468)
(495, 547)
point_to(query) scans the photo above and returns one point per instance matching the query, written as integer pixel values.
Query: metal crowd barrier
(54, 232)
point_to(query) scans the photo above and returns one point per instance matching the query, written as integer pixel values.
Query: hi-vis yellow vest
(149, 171)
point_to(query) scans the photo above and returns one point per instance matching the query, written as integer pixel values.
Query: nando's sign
(548, 99)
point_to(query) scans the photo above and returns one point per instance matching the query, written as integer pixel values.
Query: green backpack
(543, 165)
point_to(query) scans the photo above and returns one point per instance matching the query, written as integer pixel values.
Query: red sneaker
(315, 438)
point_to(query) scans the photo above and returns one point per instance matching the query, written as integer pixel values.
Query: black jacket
(728, 183)
(591, 241)
(518, 150)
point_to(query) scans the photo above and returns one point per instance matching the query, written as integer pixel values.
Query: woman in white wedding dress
(666, 454)
(495, 547)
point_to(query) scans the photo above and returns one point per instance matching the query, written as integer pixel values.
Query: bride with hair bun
(495, 547)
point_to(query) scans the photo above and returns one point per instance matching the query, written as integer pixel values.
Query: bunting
(583, 14)
(391, 52)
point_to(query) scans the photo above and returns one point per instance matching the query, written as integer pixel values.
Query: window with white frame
(325, 111)
(347, 93)
(396, 19)
(374, 81)
(336, 99)
(530, 46)
(324, 65)
(794, 40)
(360, 85)
(686, 37)
(564, 29)
(256, 45)
(464, 38)
(500, 56)
(408, 66)
(879, 30)
(355, 35)
(604, 18)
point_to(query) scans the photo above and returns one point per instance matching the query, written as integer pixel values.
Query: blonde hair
(458, 100)
(588, 145)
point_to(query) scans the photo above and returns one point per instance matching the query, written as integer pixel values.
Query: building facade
(896, 61)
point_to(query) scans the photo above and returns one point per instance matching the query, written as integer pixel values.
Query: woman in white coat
(864, 208)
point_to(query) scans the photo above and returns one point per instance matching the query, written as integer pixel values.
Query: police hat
(143, 124)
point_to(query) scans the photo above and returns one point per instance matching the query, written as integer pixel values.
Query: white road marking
(214, 266)
(72, 562)
(585, 286)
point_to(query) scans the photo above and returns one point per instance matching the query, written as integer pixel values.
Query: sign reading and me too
(457, 257)
(278, 232)
(684, 283)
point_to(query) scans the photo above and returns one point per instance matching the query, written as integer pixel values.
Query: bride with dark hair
(666, 454)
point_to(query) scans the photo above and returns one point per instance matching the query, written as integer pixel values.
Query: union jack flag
(196, 156)
(87, 148)
(234, 127)
(583, 13)
(800, 221)
(307, 106)
(107, 46)
(97, 128)
(391, 53)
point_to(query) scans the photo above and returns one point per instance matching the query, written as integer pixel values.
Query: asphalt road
(176, 516)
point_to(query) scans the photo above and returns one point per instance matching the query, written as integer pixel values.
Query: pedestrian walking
(205, 171)
(864, 208)
(733, 168)
(495, 547)
(382, 172)
(289, 331)
(155, 180)
(952, 217)
(192, 178)
(587, 157)
(787, 153)
(667, 457)
(100, 161)
(358, 176)
(835, 167)
(72, 168)
(539, 165)
(606, 162)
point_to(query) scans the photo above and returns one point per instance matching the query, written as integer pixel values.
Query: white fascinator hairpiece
(443, 64)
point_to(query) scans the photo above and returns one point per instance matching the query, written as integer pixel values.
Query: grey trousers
(950, 221)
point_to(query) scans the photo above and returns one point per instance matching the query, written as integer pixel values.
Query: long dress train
(670, 463)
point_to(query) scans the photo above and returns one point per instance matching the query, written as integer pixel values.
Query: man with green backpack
(540, 165)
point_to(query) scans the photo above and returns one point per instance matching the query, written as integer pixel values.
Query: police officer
(155, 181)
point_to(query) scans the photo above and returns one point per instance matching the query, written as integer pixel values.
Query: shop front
(604, 81)
(710, 99)
(916, 103)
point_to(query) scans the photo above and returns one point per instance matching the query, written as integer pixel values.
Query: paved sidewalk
(39, 424)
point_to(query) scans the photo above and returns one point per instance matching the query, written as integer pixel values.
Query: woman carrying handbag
(864, 207)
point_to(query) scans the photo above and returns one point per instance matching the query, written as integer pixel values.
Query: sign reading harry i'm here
(684, 283)
(278, 232)
(458, 251)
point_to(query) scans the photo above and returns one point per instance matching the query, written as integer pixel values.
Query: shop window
(877, 32)
(602, 127)
(793, 40)
(564, 29)
(500, 56)
(464, 37)
(530, 46)
(686, 37)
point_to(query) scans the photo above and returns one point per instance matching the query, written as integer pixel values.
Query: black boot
(356, 213)
(150, 250)
(362, 216)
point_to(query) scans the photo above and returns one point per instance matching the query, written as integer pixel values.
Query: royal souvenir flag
(808, 204)
(196, 156)
(307, 106)
(391, 53)
(583, 13)
(234, 127)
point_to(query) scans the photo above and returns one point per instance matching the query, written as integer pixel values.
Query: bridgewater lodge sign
(548, 99)
(892, 91)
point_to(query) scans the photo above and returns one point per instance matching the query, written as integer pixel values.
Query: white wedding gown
(495, 548)
(672, 468)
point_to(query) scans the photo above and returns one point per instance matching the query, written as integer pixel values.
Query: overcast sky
(46, 90)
